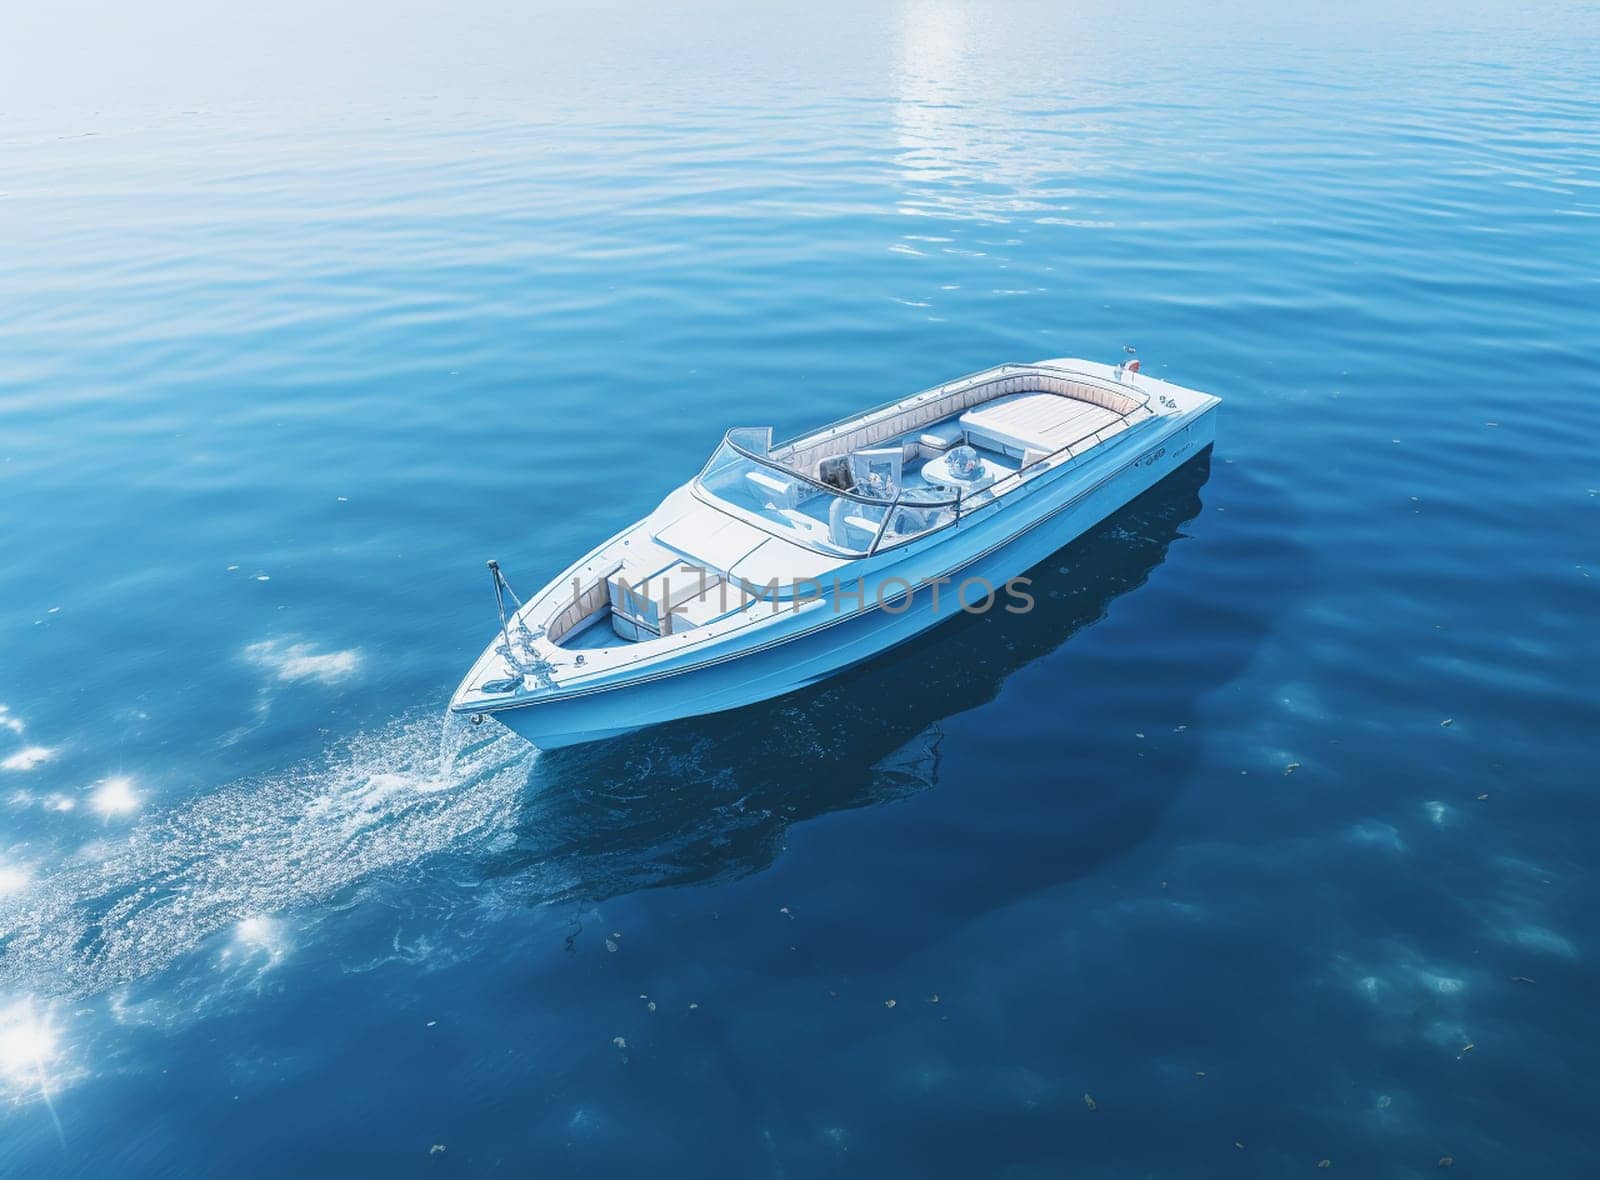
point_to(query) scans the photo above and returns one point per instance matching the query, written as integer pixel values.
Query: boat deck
(1008, 433)
(807, 521)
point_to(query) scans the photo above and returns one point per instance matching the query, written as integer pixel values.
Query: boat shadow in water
(1040, 744)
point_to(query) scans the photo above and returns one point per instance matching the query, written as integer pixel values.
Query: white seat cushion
(941, 436)
(1022, 422)
(771, 488)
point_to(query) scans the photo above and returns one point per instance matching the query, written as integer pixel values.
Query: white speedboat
(779, 565)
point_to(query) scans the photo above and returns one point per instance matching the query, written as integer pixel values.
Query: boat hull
(848, 638)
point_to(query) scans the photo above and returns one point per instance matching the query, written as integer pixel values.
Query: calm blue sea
(1268, 838)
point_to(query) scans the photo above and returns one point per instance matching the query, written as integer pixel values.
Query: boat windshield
(876, 513)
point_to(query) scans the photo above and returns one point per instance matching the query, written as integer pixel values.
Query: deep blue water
(1272, 828)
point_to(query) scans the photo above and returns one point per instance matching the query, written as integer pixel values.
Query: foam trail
(454, 734)
(115, 913)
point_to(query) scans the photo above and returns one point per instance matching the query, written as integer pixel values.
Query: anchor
(530, 665)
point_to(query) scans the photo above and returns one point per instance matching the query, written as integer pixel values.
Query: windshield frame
(753, 436)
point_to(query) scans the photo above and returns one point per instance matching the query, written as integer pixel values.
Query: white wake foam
(119, 910)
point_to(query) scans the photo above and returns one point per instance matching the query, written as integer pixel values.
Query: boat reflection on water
(711, 797)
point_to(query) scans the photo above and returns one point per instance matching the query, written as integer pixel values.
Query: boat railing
(959, 384)
(978, 378)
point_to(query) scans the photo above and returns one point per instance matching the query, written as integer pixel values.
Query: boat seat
(940, 437)
(808, 527)
(877, 472)
(834, 470)
(851, 526)
(1020, 422)
(768, 487)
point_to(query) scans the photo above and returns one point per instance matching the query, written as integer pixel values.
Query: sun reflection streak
(31, 1056)
(259, 935)
(115, 796)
